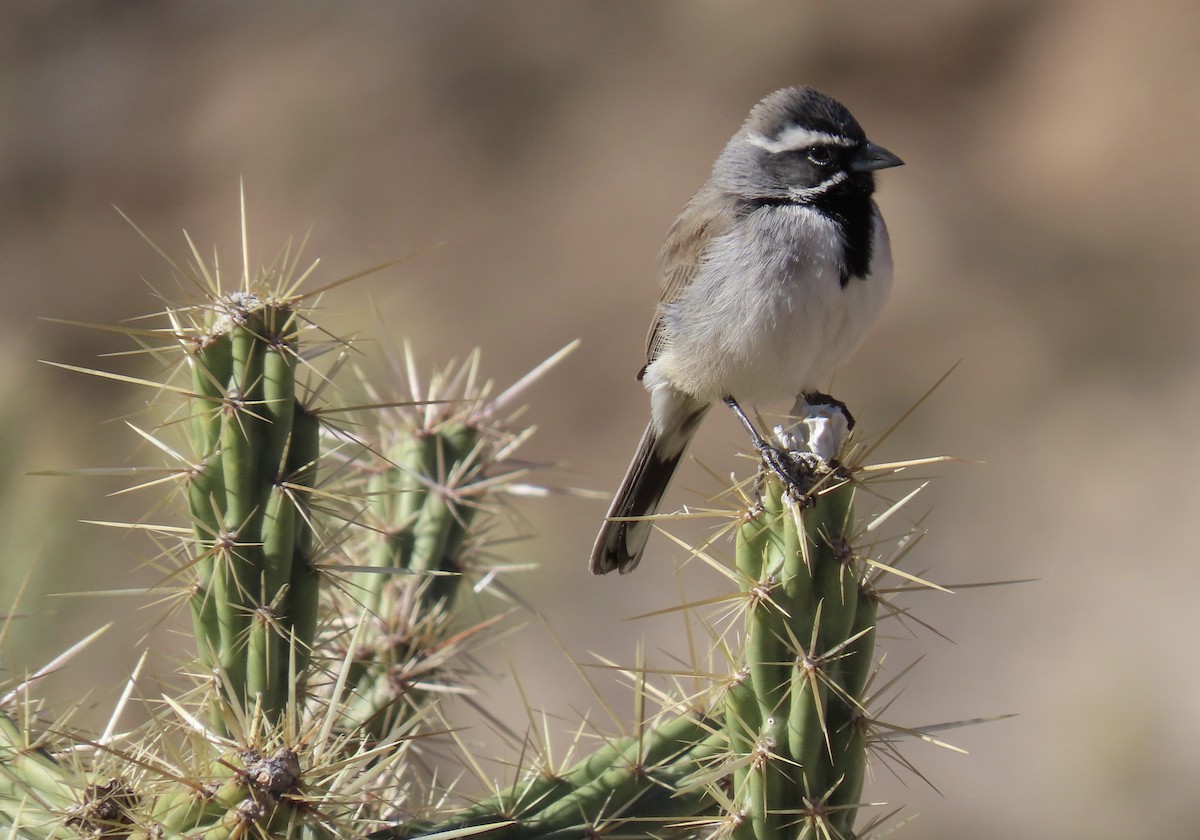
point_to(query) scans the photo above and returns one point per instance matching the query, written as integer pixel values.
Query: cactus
(799, 714)
(325, 551)
(253, 602)
(780, 746)
(427, 489)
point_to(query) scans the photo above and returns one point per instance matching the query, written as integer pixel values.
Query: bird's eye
(819, 155)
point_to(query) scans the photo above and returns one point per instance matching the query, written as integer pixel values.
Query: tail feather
(623, 536)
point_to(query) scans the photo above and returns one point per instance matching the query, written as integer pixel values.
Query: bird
(772, 275)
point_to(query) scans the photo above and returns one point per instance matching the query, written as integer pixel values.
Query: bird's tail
(623, 535)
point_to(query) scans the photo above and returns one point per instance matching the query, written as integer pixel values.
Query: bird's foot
(803, 464)
(794, 471)
(800, 472)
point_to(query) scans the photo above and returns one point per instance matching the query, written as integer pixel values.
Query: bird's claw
(802, 474)
(796, 471)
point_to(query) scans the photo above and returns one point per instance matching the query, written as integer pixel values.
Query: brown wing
(704, 218)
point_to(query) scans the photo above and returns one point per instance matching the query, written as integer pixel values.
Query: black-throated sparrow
(772, 276)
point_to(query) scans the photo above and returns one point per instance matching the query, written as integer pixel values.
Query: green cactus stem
(254, 600)
(418, 516)
(809, 629)
(631, 785)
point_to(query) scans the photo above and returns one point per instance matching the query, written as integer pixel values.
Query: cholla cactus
(427, 493)
(321, 566)
(256, 585)
(779, 745)
(324, 550)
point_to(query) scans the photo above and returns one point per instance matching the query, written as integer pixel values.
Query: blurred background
(1044, 236)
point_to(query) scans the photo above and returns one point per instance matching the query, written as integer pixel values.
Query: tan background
(1044, 232)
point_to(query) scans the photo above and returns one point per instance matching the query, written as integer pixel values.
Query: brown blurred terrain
(1044, 235)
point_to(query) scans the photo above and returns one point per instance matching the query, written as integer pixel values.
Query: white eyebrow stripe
(798, 137)
(803, 193)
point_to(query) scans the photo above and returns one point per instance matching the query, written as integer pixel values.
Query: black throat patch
(856, 219)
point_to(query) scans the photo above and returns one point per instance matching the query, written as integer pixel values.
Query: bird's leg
(775, 459)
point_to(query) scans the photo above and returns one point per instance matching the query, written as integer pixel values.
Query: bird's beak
(874, 157)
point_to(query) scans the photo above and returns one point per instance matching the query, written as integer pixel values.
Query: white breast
(767, 317)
